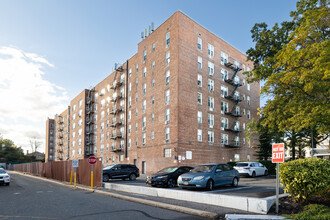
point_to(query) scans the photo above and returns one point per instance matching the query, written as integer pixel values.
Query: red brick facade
(150, 103)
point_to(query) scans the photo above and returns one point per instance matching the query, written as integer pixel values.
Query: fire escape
(89, 151)
(116, 122)
(234, 97)
(60, 138)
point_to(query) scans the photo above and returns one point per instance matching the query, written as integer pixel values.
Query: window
(152, 100)
(153, 65)
(137, 68)
(136, 112)
(167, 116)
(199, 43)
(129, 73)
(80, 122)
(236, 64)
(129, 129)
(236, 141)
(210, 50)
(224, 123)
(210, 68)
(136, 141)
(243, 67)
(236, 126)
(144, 139)
(236, 80)
(101, 138)
(224, 74)
(74, 108)
(199, 98)
(129, 116)
(136, 126)
(136, 82)
(167, 134)
(136, 97)
(144, 56)
(199, 135)
(167, 58)
(73, 143)
(167, 41)
(236, 157)
(199, 80)
(211, 85)
(74, 117)
(167, 97)
(224, 58)
(72, 153)
(152, 117)
(248, 100)
(243, 111)
(224, 107)
(144, 106)
(248, 86)
(248, 114)
(144, 90)
(167, 152)
(211, 120)
(210, 103)
(144, 72)
(237, 110)
(73, 134)
(153, 83)
(129, 87)
(129, 101)
(129, 143)
(243, 82)
(224, 91)
(236, 95)
(199, 117)
(167, 77)
(153, 47)
(144, 122)
(152, 135)
(200, 61)
(80, 103)
(224, 138)
(210, 135)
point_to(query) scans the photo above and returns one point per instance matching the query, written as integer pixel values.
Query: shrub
(270, 166)
(305, 178)
(312, 212)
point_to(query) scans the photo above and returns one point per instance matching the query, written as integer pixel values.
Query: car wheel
(235, 182)
(132, 176)
(106, 178)
(266, 172)
(210, 185)
(171, 183)
(253, 174)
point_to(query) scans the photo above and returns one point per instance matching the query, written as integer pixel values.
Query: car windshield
(203, 169)
(242, 165)
(168, 170)
(2, 171)
(108, 167)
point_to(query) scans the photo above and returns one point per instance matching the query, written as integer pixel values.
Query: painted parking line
(233, 189)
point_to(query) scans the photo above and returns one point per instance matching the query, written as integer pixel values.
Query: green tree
(293, 60)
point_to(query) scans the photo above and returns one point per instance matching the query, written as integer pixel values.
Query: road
(28, 198)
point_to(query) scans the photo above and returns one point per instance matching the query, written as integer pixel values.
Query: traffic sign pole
(277, 184)
(75, 178)
(277, 157)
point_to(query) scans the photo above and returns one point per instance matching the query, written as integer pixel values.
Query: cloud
(27, 99)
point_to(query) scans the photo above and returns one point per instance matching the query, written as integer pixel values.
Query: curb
(185, 210)
(246, 217)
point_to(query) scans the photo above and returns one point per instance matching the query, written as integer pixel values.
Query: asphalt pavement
(29, 198)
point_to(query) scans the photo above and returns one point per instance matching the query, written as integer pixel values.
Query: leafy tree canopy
(293, 60)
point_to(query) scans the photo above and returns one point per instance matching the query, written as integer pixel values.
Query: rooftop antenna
(149, 29)
(142, 35)
(152, 26)
(145, 32)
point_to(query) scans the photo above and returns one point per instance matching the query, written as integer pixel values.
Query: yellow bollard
(75, 179)
(71, 177)
(92, 179)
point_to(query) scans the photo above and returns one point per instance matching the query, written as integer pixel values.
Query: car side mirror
(218, 170)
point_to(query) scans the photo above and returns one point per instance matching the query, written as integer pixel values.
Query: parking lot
(258, 187)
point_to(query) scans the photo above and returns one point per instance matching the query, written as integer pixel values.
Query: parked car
(167, 176)
(251, 169)
(208, 176)
(4, 177)
(120, 171)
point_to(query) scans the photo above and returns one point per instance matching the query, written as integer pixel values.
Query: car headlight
(161, 177)
(198, 177)
(180, 178)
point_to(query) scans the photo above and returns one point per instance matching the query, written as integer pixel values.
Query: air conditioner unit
(167, 122)
(211, 109)
(211, 126)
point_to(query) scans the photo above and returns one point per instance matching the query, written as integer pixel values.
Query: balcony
(119, 136)
(89, 101)
(116, 149)
(233, 145)
(89, 111)
(234, 130)
(234, 114)
(60, 122)
(60, 136)
(60, 143)
(236, 99)
(89, 122)
(113, 137)
(60, 129)
(120, 122)
(89, 142)
(60, 150)
(89, 132)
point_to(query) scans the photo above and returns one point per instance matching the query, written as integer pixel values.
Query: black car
(167, 176)
(120, 171)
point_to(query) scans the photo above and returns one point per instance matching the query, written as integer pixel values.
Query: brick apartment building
(181, 99)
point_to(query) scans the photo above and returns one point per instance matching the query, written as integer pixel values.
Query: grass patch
(312, 212)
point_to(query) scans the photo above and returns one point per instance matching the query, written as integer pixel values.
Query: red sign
(92, 160)
(278, 153)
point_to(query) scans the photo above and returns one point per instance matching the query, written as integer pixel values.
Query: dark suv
(120, 171)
